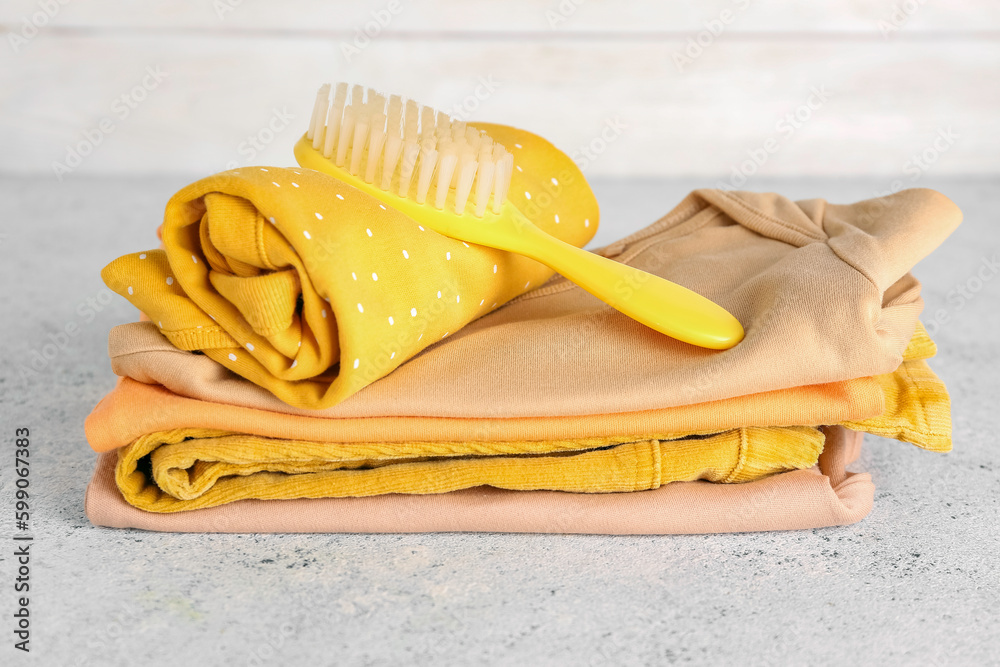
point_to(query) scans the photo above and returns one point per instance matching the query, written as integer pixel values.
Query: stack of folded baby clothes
(310, 360)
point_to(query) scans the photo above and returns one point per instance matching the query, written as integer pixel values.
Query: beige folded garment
(827, 496)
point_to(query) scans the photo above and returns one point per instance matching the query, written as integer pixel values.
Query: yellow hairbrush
(454, 178)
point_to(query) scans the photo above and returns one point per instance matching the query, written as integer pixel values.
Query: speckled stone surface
(915, 583)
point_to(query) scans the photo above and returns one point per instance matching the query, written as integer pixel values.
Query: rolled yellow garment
(313, 289)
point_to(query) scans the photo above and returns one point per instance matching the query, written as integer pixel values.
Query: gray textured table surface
(914, 583)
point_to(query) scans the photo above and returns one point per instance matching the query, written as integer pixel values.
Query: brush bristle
(400, 146)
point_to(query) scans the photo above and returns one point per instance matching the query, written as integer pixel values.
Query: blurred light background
(715, 90)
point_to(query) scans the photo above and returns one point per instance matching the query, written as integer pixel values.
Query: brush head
(410, 150)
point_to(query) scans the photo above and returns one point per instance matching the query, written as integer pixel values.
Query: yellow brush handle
(659, 304)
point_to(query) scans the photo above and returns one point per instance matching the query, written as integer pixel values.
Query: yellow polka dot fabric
(313, 289)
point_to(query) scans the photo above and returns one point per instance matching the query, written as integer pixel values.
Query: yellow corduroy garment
(313, 289)
(191, 468)
(196, 468)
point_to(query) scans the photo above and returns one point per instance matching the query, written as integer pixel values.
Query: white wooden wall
(562, 68)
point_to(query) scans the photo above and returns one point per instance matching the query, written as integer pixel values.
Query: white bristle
(346, 134)
(474, 138)
(446, 167)
(484, 179)
(428, 158)
(333, 120)
(485, 157)
(332, 130)
(395, 112)
(411, 121)
(393, 149)
(407, 164)
(317, 105)
(361, 127)
(501, 183)
(363, 131)
(459, 147)
(393, 128)
(315, 131)
(443, 124)
(467, 174)
(375, 146)
(426, 124)
(340, 96)
(465, 154)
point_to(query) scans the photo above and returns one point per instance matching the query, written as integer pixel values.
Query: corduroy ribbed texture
(197, 468)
